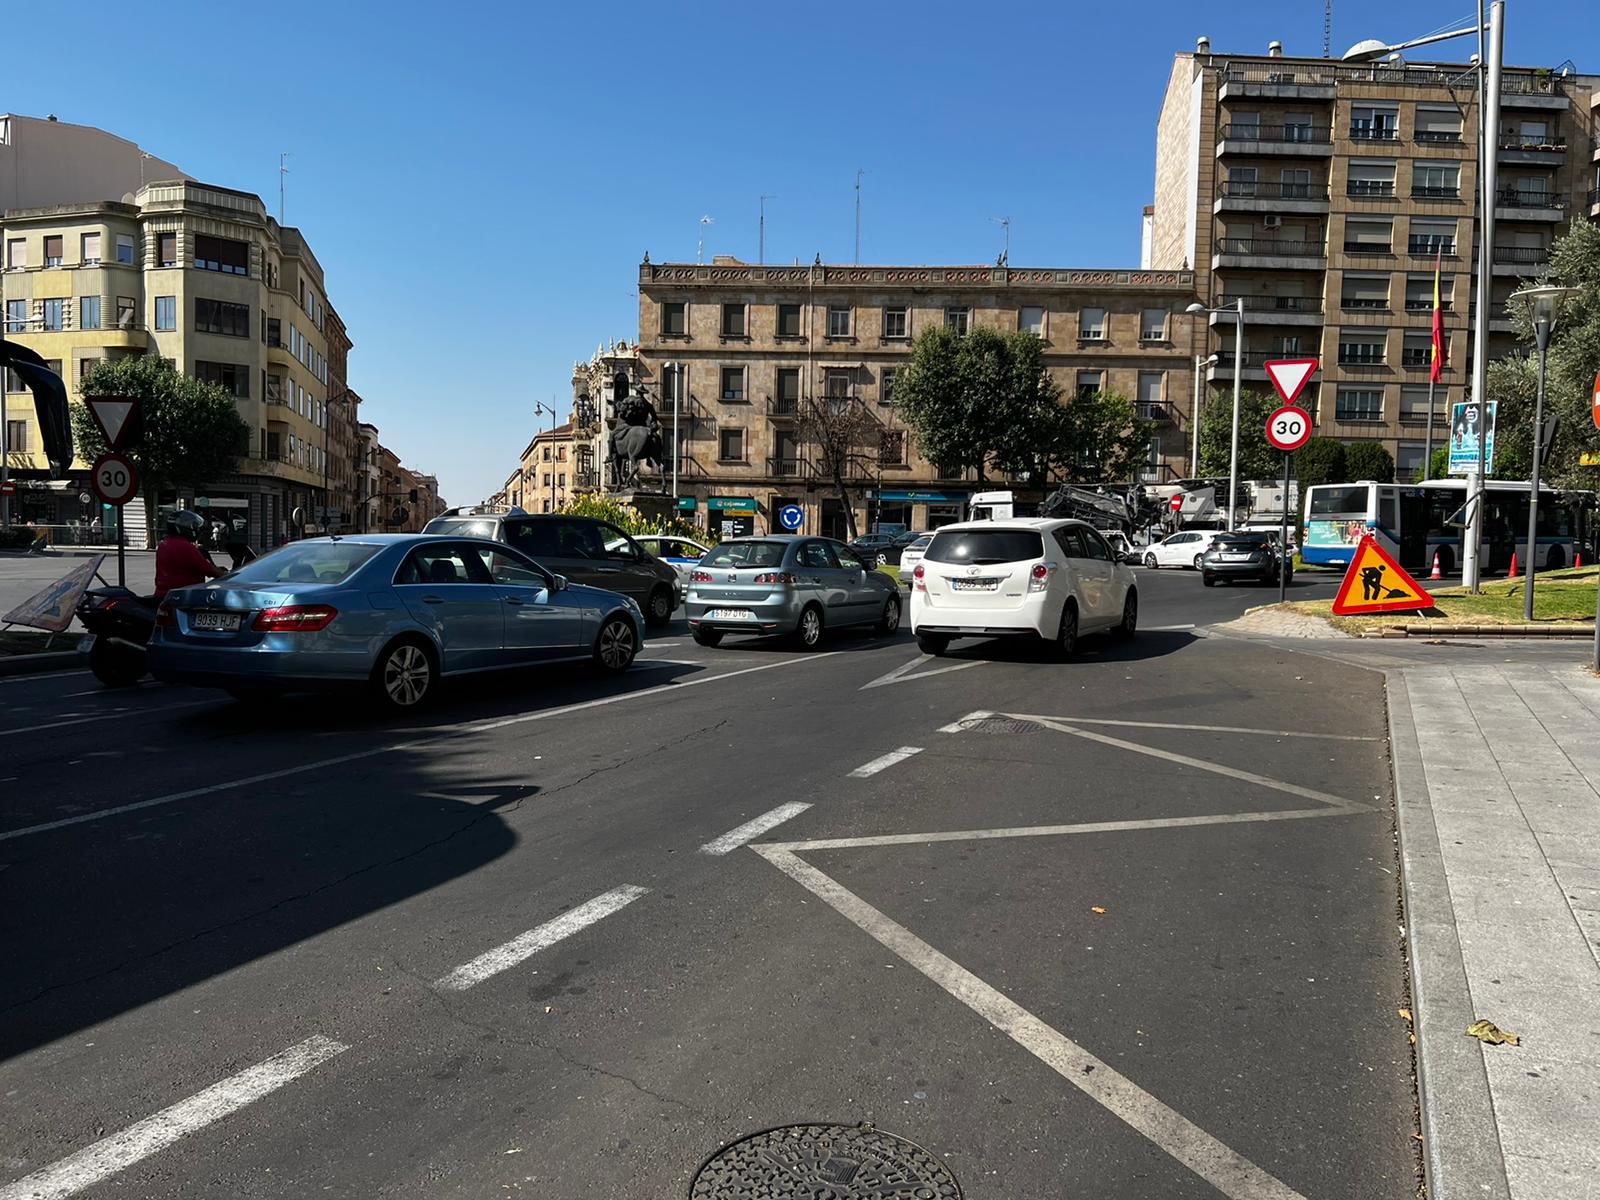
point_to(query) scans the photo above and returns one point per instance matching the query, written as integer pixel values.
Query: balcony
(1594, 202)
(1367, 189)
(1295, 141)
(1515, 150)
(1374, 133)
(1438, 137)
(1256, 80)
(1158, 411)
(1425, 304)
(1513, 204)
(1535, 89)
(1519, 260)
(783, 467)
(1362, 358)
(1414, 357)
(1289, 254)
(1428, 248)
(1370, 249)
(1240, 196)
(1250, 366)
(1270, 310)
(783, 407)
(1425, 191)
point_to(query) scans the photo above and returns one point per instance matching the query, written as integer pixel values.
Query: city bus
(1413, 521)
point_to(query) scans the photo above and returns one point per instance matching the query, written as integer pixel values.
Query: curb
(34, 664)
(1462, 1155)
(1562, 630)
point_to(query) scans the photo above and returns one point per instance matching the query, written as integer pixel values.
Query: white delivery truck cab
(991, 506)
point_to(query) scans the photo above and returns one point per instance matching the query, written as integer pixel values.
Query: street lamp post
(551, 409)
(1194, 415)
(1544, 302)
(1238, 367)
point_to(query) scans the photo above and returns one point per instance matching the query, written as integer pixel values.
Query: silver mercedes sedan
(392, 613)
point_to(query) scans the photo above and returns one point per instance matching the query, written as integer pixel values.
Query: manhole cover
(999, 725)
(824, 1162)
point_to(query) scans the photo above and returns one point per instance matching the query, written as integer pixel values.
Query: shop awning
(929, 497)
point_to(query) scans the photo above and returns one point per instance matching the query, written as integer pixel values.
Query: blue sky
(481, 180)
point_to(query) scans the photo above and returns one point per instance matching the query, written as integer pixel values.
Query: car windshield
(465, 528)
(985, 545)
(307, 562)
(746, 554)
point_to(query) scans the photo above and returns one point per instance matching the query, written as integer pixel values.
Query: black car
(1252, 556)
(584, 549)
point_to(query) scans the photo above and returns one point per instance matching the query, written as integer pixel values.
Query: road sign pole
(1283, 537)
(122, 541)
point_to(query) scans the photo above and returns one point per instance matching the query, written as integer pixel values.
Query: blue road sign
(791, 516)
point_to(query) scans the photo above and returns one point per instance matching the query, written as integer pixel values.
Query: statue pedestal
(653, 506)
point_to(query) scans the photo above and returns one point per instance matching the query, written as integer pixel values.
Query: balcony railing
(1361, 356)
(1551, 145)
(1424, 191)
(1512, 198)
(1372, 302)
(1374, 133)
(1439, 137)
(1416, 356)
(1253, 358)
(1370, 187)
(783, 467)
(1368, 248)
(1594, 197)
(1282, 134)
(783, 406)
(1158, 411)
(1237, 189)
(1427, 248)
(1268, 246)
(1299, 304)
(1332, 73)
(1522, 256)
(1425, 304)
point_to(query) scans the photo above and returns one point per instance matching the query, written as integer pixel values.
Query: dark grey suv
(584, 549)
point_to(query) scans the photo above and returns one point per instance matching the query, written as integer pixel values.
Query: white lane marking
(100, 716)
(46, 675)
(1287, 733)
(649, 644)
(1165, 628)
(447, 732)
(1230, 1172)
(961, 725)
(154, 1134)
(884, 761)
(754, 828)
(900, 673)
(542, 937)
(1022, 831)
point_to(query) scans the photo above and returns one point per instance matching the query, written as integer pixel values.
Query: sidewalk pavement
(1497, 767)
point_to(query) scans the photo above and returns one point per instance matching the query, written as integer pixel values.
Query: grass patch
(17, 642)
(1566, 595)
(892, 570)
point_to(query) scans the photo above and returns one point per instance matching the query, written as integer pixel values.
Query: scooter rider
(179, 561)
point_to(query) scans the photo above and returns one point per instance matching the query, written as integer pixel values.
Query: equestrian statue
(635, 439)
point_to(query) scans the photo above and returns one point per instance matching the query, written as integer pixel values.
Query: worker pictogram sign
(1375, 583)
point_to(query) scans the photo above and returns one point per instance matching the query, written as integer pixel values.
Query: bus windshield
(1340, 501)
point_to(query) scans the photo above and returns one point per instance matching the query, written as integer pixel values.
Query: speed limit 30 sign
(1289, 428)
(114, 479)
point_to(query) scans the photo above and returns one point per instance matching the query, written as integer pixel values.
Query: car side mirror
(558, 583)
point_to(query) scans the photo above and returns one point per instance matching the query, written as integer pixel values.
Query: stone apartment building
(547, 478)
(740, 348)
(1322, 192)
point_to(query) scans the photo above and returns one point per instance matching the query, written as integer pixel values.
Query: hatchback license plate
(215, 622)
(732, 614)
(973, 585)
(1235, 558)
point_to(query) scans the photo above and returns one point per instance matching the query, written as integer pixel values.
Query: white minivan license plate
(215, 622)
(973, 585)
(732, 614)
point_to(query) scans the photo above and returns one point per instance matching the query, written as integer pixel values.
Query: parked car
(584, 549)
(912, 555)
(1250, 555)
(1051, 579)
(394, 613)
(1181, 549)
(680, 553)
(874, 548)
(800, 586)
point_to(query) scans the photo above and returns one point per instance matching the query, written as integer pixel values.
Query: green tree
(193, 433)
(1368, 460)
(1257, 458)
(1436, 468)
(976, 401)
(1320, 460)
(1092, 439)
(846, 438)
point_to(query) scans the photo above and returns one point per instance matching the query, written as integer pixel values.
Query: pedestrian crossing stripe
(1375, 583)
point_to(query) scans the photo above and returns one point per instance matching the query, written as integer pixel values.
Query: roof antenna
(700, 254)
(1004, 223)
(283, 169)
(1327, 28)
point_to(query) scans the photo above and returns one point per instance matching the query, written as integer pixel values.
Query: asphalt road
(1121, 928)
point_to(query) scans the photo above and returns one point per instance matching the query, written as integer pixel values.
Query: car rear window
(465, 528)
(985, 546)
(307, 562)
(1245, 540)
(746, 554)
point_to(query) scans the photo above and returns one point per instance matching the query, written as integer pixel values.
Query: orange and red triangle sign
(1380, 583)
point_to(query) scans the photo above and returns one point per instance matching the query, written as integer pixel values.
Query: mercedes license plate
(216, 622)
(732, 614)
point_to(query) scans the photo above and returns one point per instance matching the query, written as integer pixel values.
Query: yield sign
(1384, 584)
(117, 417)
(1596, 401)
(1289, 375)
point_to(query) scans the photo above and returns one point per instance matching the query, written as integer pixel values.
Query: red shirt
(180, 563)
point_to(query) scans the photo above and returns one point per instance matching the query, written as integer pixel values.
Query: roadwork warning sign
(1375, 583)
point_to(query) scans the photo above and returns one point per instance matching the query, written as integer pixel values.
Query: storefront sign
(687, 503)
(732, 504)
(929, 497)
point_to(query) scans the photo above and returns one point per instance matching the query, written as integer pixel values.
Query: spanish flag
(1440, 354)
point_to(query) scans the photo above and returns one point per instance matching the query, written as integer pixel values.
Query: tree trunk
(849, 507)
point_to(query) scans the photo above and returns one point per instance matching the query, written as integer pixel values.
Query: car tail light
(918, 579)
(166, 617)
(699, 576)
(1039, 577)
(777, 577)
(294, 618)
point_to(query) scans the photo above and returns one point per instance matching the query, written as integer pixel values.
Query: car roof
(1037, 524)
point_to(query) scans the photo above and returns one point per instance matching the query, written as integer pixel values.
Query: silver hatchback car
(798, 586)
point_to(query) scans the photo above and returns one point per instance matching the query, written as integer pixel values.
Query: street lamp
(1194, 415)
(1544, 303)
(551, 409)
(1238, 366)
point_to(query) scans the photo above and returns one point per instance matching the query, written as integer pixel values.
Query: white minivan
(1052, 579)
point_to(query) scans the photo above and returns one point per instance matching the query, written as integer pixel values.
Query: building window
(85, 365)
(786, 400)
(16, 316)
(674, 319)
(52, 250)
(1438, 125)
(733, 383)
(886, 386)
(546, 453)
(1419, 292)
(1414, 404)
(1369, 123)
(232, 376)
(1371, 177)
(1361, 349)
(167, 249)
(1152, 386)
(956, 318)
(839, 323)
(733, 320)
(1417, 351)
(1088, 384)
(272, 388)
(89, 312)
(16, 437)
(837, 382)
(221, 254)
(892, 448)
(89, 251)
(219, 316)
(1294, 183)
(16, 253)
(1153, 325)
(1365, 291)
(1241, 181)
(125, 249)
(1408, 463)
(272, 331)
(730, 445)
(127, 312)
(1092, 325)
(1436, 181)
(1030, 318)
(1369, 235)
(896, 324)
(788, 320)
(1432, 237)
(55, 314)
(561, 480)
(166, 314)
(1358, 404)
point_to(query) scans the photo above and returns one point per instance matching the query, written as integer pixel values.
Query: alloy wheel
(406, 676)
(616, 645)
(810, 627)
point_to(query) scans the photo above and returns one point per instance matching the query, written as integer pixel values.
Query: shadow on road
(1092, 647)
